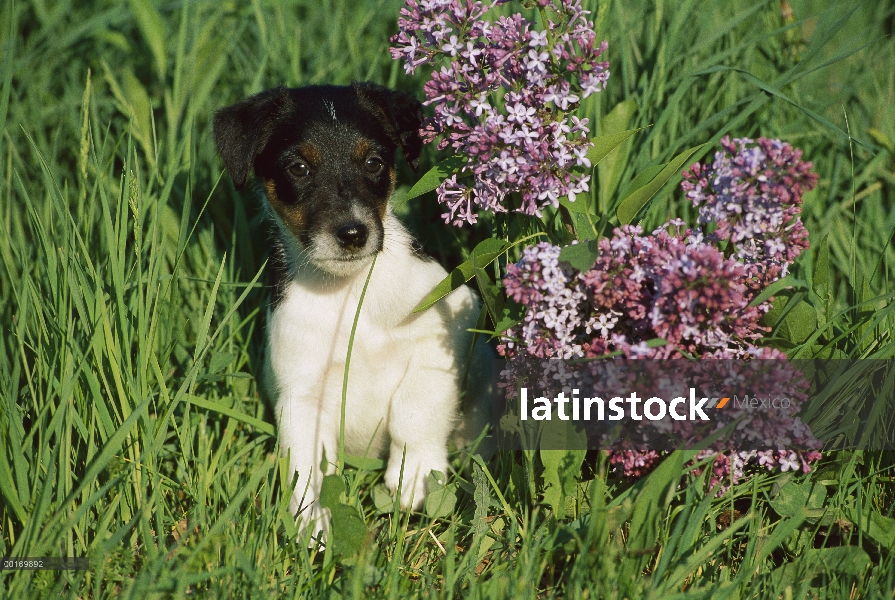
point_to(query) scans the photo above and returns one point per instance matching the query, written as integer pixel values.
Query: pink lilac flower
(641, 287)
(502, 93)
(677, 285)
(751, 194)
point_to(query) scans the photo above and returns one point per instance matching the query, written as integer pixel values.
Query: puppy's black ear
(400, 113)
(242, 130)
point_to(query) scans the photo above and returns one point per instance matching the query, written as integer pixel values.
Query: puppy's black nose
(352, 235)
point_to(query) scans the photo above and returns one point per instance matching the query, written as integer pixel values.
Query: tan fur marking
(310, 152)
(294, 217)
(295, 220)
(270, 188)
(392, 178)
(361, 147)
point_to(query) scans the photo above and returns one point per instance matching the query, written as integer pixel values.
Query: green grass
(132, 300)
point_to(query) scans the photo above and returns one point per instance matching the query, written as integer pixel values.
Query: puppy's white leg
(306, 436)
(422, 416)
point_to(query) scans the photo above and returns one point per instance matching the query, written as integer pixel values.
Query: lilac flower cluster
(675, 284)
(751, 193)
(663, 285)
(730, 467)
(503, 98)
(762, 438)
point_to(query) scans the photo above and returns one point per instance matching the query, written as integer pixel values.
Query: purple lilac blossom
(503, 94)
(751, 193)
(661, 285)
(675, 284)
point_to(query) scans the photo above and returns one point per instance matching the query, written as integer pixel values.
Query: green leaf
(852, 561)
(434, 176)
(364, 463)
(382, 500)
(598, 521)
(513, 312)
(348, 529)
(481, 256)
(219, 360)
(771, 290)
(790, 501)
(582, 216)
(562, 450)
(580, 256)
(634, 202)
(562, 434)
(611, 167)
(153, 30)
(879, 528)
(643, 178)
(604, 144)
(554, 469)
(585, 229)
(578, 206)
(346, 523)
(139, 108)
(822, 267)
(651, 502)
(441, 498)
(800, 323)
(492, 296)
(817, 495)
(792, 317)
(778, 306)
(331, 491)
(483, 500)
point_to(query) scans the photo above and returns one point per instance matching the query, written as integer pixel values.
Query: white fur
(405, 374)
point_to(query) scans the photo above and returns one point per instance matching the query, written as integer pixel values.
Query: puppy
(324, 157)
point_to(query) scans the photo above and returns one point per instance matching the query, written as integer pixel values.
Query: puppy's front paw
(413, 489)
(413, 480)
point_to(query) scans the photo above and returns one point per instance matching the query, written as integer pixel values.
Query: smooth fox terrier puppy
(325, 159)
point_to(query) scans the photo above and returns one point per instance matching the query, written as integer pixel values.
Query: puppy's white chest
(309, 339)
(316, 326)
(309, 333)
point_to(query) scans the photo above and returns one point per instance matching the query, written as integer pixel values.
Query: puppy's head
(325, 156)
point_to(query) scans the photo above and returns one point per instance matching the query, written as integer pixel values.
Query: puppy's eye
(300, 169)
(373, 165)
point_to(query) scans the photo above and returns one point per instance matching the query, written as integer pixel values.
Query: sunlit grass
(132, 299)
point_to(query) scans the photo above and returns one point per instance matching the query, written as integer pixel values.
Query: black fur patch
(416, 247)
(278, 275)
(270, 122)
(326, 158)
